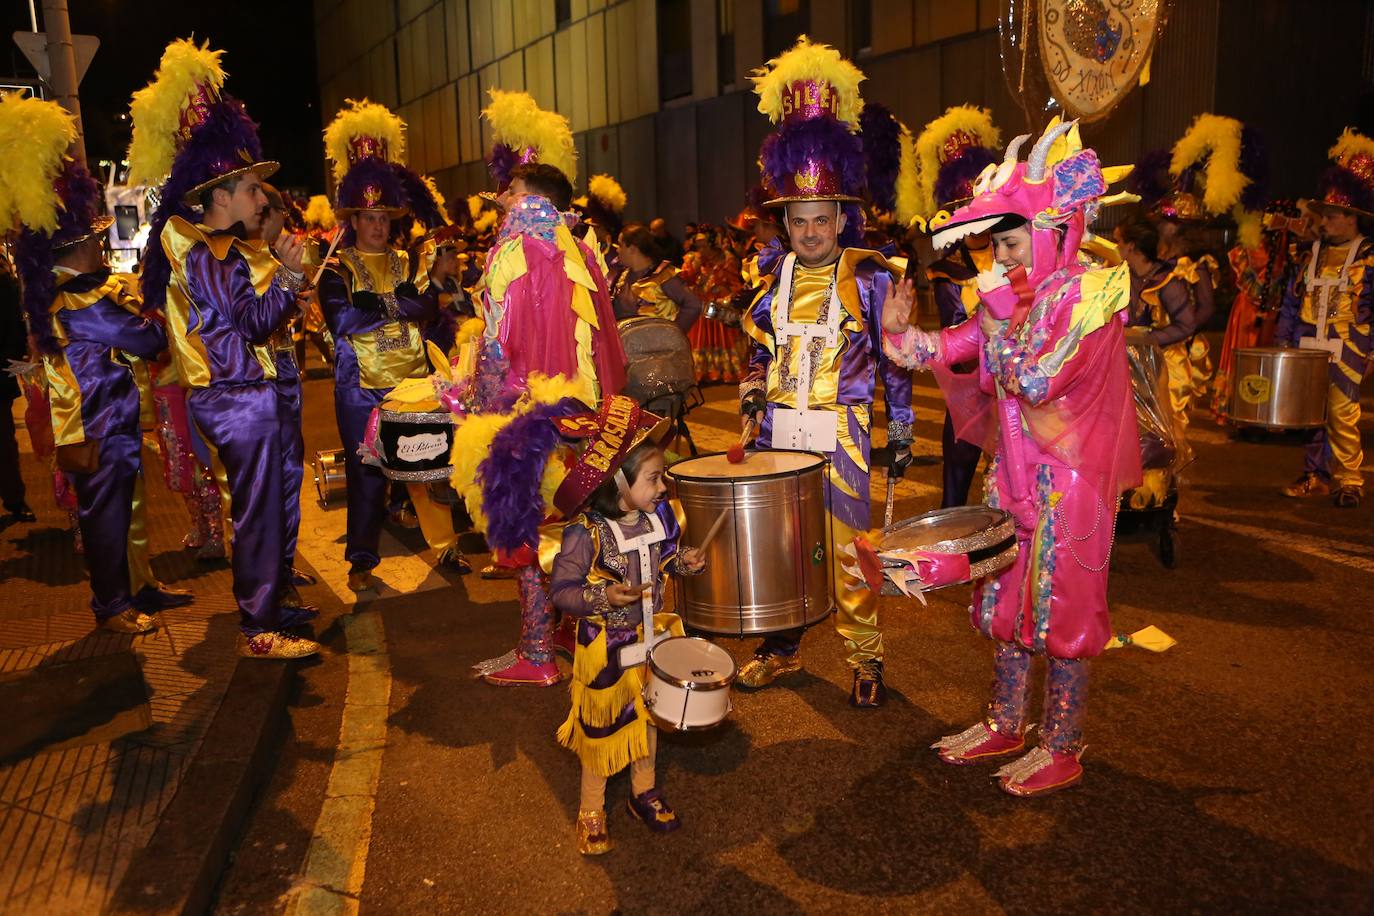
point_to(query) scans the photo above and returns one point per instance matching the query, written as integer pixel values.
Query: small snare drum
(687, 684)
(415, 445)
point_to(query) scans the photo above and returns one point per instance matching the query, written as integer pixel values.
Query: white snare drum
(687, 684)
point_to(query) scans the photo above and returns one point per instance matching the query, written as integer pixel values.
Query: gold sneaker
(276, 645)
(1305, 486)
(129, 620)
(762, 670)
(592, 838)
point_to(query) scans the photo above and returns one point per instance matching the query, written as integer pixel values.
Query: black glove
(753, 403)
(898, 457)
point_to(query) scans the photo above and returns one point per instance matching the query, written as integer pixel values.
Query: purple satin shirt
(229, 315)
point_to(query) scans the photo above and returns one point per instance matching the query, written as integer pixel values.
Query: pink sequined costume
(181, 470)
(1051, 401)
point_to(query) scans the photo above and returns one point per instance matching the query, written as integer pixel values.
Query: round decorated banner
(1093, 51)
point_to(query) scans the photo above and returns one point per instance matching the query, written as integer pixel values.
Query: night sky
(269, 56)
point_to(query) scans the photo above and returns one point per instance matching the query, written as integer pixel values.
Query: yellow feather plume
(363, 119)
(485, 221)
(1248, 226)
(607, 190)
(438, 198)
(809, 61)
(475, 204)
(34, 136)
(908, 181)
(1351, 143)
(156, 108)
(319, 213)
(974, 121)
(1217, 139)
(517, 121)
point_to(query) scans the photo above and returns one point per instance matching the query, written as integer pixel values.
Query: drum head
(692, 662)
(959, 530)
(755, 464)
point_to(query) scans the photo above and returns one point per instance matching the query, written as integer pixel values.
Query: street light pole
(62, 69)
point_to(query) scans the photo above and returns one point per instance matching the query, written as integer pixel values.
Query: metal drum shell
(329, 475)
(688, 701)
(1280, 387)
(769, 568)
(985, 534)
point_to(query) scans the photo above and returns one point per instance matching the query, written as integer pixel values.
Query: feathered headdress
(319, 214)
(523, 132)
(51, 198)
(812, 93)
(1349, 182)
(1218, 168)
(951, 152)
(604, 203)
(189, 131)
(365, 143)
(882, 138)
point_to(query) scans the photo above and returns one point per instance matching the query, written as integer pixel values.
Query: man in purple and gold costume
(1329, 305)
(377, 301)
(817, 350)
(225, 298)
(88, 327)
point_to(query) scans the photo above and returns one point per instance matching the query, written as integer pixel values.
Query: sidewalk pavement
(73, 817)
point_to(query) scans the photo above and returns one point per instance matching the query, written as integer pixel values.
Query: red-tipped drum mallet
(736, 453)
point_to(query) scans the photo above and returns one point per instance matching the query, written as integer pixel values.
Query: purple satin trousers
(367, 485)
(104, 508)
(292, 446)
(239, 422)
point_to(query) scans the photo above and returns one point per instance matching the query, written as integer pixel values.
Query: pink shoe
(565, 637)
(525, 673)
(977, 744)
(1039, 773)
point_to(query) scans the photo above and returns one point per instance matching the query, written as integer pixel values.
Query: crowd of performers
(503, 323)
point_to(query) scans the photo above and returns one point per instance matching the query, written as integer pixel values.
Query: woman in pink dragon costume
(1051, 401)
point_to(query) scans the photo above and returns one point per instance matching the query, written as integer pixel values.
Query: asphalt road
(1231, 773)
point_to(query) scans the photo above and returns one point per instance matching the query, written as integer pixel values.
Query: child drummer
(621, 541)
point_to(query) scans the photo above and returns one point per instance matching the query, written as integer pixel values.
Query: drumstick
(715, 528)
(329, 254)
(736, 453)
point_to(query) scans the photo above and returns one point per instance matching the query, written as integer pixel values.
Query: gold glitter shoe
(1305, 486)
(129, 620)
(764, 669)
(276, 645)
(592, 838)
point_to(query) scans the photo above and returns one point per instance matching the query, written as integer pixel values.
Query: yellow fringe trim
(589, 660)
(607, 756)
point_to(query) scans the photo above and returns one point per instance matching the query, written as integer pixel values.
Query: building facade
(658, 92)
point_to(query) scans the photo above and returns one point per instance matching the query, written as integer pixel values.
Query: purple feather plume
(955, 179)
(882, 142)
(1254, 164)
(793, 146)
(214, 149)
(853, 234)
(423, 206)
(1150, 178)
(510, 475)
(35, 252)
(500, 163)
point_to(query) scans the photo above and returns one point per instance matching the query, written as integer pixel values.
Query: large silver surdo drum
(1280, 388)
(769, 568)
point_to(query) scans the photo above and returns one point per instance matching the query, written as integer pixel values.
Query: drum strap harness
(804, 429)
(384, 343)
(640, 545)
(1321, 287)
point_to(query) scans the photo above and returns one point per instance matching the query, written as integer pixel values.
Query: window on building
(562, 12)
(783, 22)
(725, 44)
(674, 49)
(861, 25)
